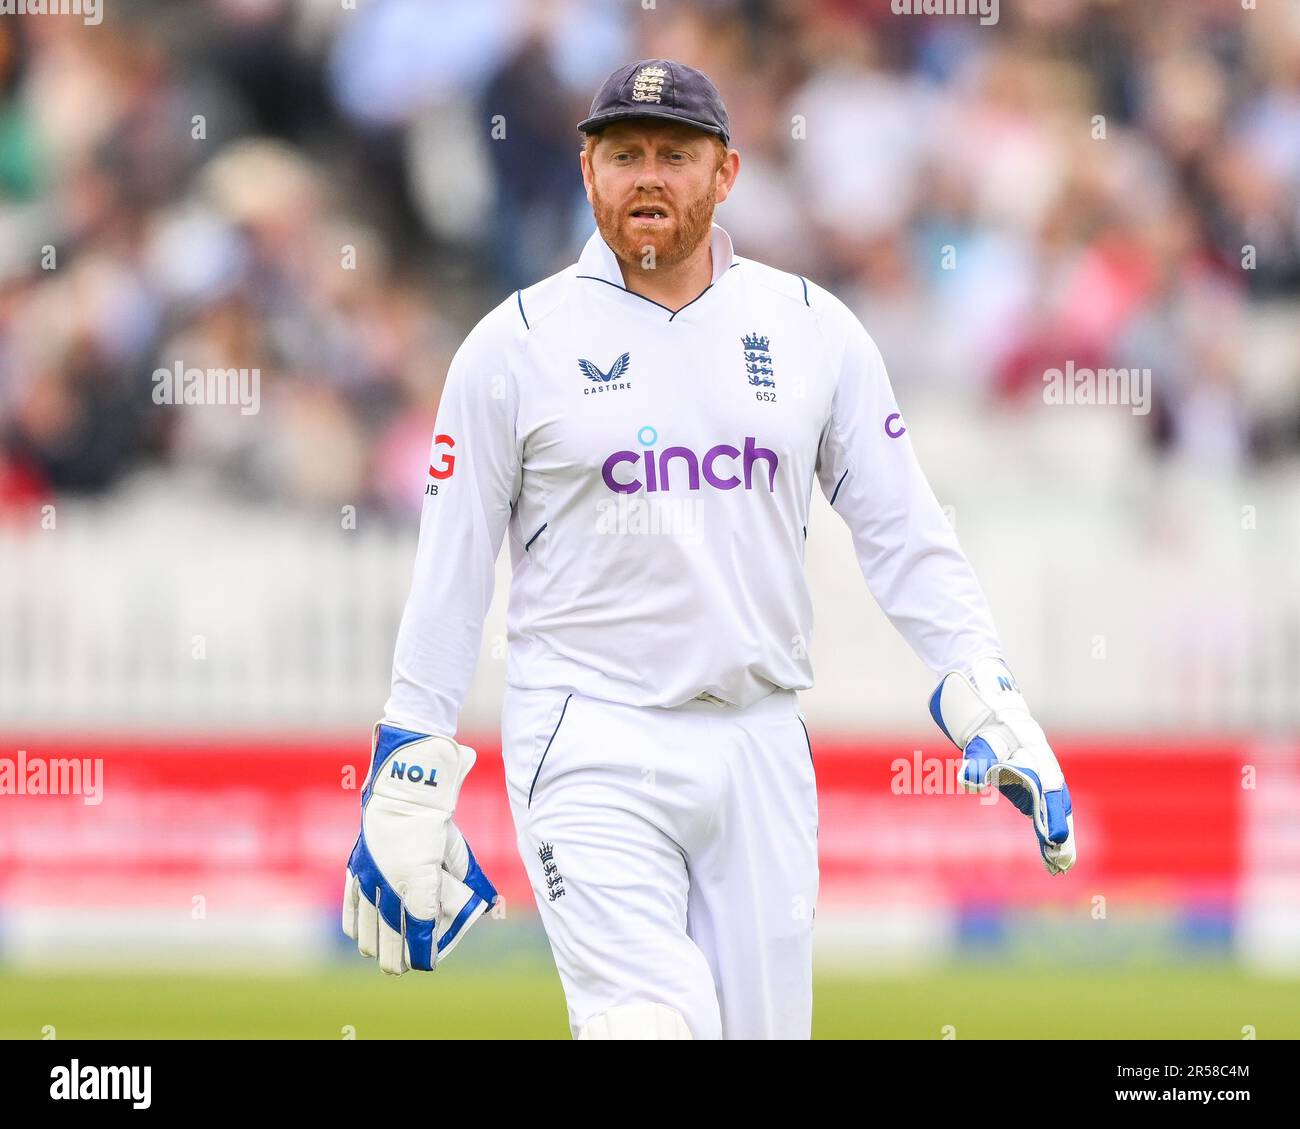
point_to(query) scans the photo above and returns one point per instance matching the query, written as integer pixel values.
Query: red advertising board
(275, 818)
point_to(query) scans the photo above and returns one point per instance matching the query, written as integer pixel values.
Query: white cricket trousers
(672, 853)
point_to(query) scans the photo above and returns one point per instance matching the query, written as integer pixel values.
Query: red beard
(688, 229)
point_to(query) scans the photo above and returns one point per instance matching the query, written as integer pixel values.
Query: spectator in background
(948, 176)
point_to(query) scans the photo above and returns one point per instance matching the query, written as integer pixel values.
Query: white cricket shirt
(654, 471)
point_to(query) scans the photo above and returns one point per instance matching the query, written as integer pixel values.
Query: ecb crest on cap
(658, 88)
(648, 86)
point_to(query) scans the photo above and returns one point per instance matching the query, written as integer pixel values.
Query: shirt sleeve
(905, 545)
(473, 480)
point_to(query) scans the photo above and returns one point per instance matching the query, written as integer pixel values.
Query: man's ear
(587, 174)
(727, 173)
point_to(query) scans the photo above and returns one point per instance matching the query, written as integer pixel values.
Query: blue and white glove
(412, 888)
(986, 717)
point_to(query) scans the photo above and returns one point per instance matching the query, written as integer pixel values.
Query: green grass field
(1207, 1002)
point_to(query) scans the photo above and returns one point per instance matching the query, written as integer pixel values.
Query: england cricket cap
(659, 88)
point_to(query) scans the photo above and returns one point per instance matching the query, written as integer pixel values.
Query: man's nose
(649, 176)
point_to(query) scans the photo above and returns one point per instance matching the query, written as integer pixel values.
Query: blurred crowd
(333, 195)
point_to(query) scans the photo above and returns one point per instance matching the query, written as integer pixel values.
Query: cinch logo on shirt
(658, 470)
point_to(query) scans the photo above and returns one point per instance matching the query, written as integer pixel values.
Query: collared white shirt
(599, 261)
(653, 470)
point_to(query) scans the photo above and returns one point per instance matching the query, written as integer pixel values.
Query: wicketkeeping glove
(413, 887)
(986, 717)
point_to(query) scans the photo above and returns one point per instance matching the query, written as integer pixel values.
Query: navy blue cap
(659, 88)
